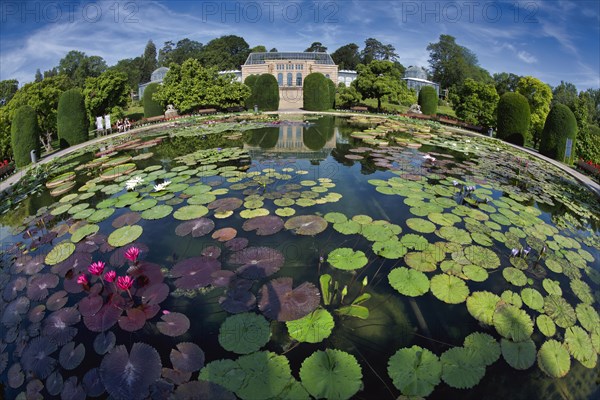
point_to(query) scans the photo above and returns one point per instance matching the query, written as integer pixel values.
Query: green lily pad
(347, 259)
(101, 214)
(510, 297)
(362, 219)
(512, 322)
(587, 316)
(331, 374)
(157, 212)
(420, 225)
(353, 310)
(312, 328)
(285, 202)
(244, 333)
(348, 227)
(77, 208)
(459, 369)
(186, 213)
(377, 232)
(59, 253)
(446, 219)
(125, 235)
(391, 249)
(545, 325)
(414, 242)
(552, 287)
(84, 231)
(335, 217)
(61, 209)
(415, 371)
(532, 298)
(519, 355)
(560, 311)
(484, 349)
(514, 276)
(285, 212)
(579, 344)
(449, 289)
(409, 282)
(582, 291)
(453, 234)
(142, 205)
(554, 359)
(475, 273)
(420, 261)
(226, 373)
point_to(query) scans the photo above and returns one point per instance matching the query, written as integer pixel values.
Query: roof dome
(159, 74)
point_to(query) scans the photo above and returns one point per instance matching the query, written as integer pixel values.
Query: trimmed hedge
(332, 90)
(513, 118)
(152, 108)
(71, 119)
(24, 135)
(266, 93)
(316, 92)
(250, 81)
(428, 100)
(560, 125)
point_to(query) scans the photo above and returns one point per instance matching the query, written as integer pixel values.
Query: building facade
(157, 76)
(416, 78)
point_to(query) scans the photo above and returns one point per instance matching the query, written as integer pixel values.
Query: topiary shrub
(152, 108)
(71, 118)
(250, 81)
(266, 93)
(316, 92)
(428, 100)
(332, 90)
(560, 125)
(513, 118)
(24, 135)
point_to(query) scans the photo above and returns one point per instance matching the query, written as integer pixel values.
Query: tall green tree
(375, 50)
(594, 105)
(559, 126)
(316, 47)
(106, 92)
(179, 52)
(258, 49)
(150, 61)
(347, 56)
(38, 75)
(24, 135)
(132, 67)
(8, 88)
(5, 145)
(273, 50)
(506, 82)
(190, 86)
(225, 53)
(539, 97)
(476, 103)
(72, 121)
(380, 79)
(565, 93)
(78, 66)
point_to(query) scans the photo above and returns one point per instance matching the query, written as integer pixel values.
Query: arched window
(299, 79)
(290, 78)
(280, 79)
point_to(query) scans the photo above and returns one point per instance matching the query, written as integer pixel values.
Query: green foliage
(24, 135)
(415, 371)
(476, 103)
(331, 374)
(266, 93)
(560, 126)
(78, 67)
(428, 100)
(381, 79)
(331, 92)
(375, 50)
(316, 47)
(8, 88)
(506, 82)
(539, 97)
(588, 144)
(152, 108)
(149, 61)
(513, 118)
(191, 86)
(225, 53)
(316, 92)
(346, 57)
(347, 97)
(179, 52)
(132, 67)
(250, 81)
(105, 92)
(5, 147)
(72, 122)
(244, 333)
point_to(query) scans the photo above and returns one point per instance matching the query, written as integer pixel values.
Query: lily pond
(303, 257)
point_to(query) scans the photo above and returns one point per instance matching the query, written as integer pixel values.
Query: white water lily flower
(133, 182)
(161, 186)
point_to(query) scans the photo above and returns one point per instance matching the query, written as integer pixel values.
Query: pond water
(341, 257)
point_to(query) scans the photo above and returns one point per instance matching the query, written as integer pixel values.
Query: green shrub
(588, 144)
(560, 125)
(513, 117)
(428, 100)
(24, 135)
(332, 90)
(71, 119)
(316, 92)
(266, 93)
(152, 108)
(250, 81)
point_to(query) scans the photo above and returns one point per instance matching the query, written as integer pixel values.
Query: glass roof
(260, 58)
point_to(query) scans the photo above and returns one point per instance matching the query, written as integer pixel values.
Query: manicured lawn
(135, 113)
(446, 110)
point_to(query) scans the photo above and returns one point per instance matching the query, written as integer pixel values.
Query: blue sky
(551, 40)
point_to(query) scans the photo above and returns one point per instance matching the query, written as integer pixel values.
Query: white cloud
(526, 57)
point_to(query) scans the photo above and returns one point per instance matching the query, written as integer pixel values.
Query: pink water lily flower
(124, 282)
(96, 268)
(82, 279)
(132, 254)
(110, 276)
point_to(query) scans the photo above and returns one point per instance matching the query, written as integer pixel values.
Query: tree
(265, 93)
(51, 72)
(152, 108)
(560, 125)
(258, 49)
(38, 75)
(316, 47)
(378, 79)
(190, 86)
(347, 56)
(78, 67)
(375, 50)
(539, 97)
(150, 62)
(72, 122)
(506, 82)
(225, 53)
(273, 50)
(588, 144)
(105, 92)
(180, 52)
(24, 135)
(5, 139)
(594, 105)
(476, 103)
(8, 88)
(513, 118)
(316, 92)
(347, 96)
(428, 100)
(565, 93)
(249, 102)
(132, 67)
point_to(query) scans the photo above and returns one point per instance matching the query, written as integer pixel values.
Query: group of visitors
(123, 125)
(103, 125)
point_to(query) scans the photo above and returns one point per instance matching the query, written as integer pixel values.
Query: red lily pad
(154, 294)
(130, 218)
(238, 297)
(211, 251)
(281, 302)
(104, 319)
(173, 324)
(57, 300)
(90, 305)
(188, 357)
(309, 225)
(134, 320)
(197, 227)
(257, 262)
(195, 272)
(224, 234)
(237, 244)
(264, 225)
(57, 326)
(225, 204)
(38, 285)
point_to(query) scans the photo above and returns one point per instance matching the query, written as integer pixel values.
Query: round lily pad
(453, 234)
(579, 344)
(227, 373)
(554, 359)
(475, 273)
(335, 217)
(306, 224)
(420, 225)
(125, 235)
(392, 248)
(101, 214)
(415, 371)
(409, 282)
(560, 311)
(347, 227)
(331, 374)
(285, 212)
(587, 316)
(552, 287)
(459, 369)
(190, 212)
(484, 349)
(545, 325)
(482, 257)
(513, 323)
(449, 289)
(244, 333)
(519, 355)
(266, 375)
(312, 328)
(532, 298)
(157, 212)
(59, 253)
(142, 205)
(84, 231)
(514, 276)
(347, 259)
